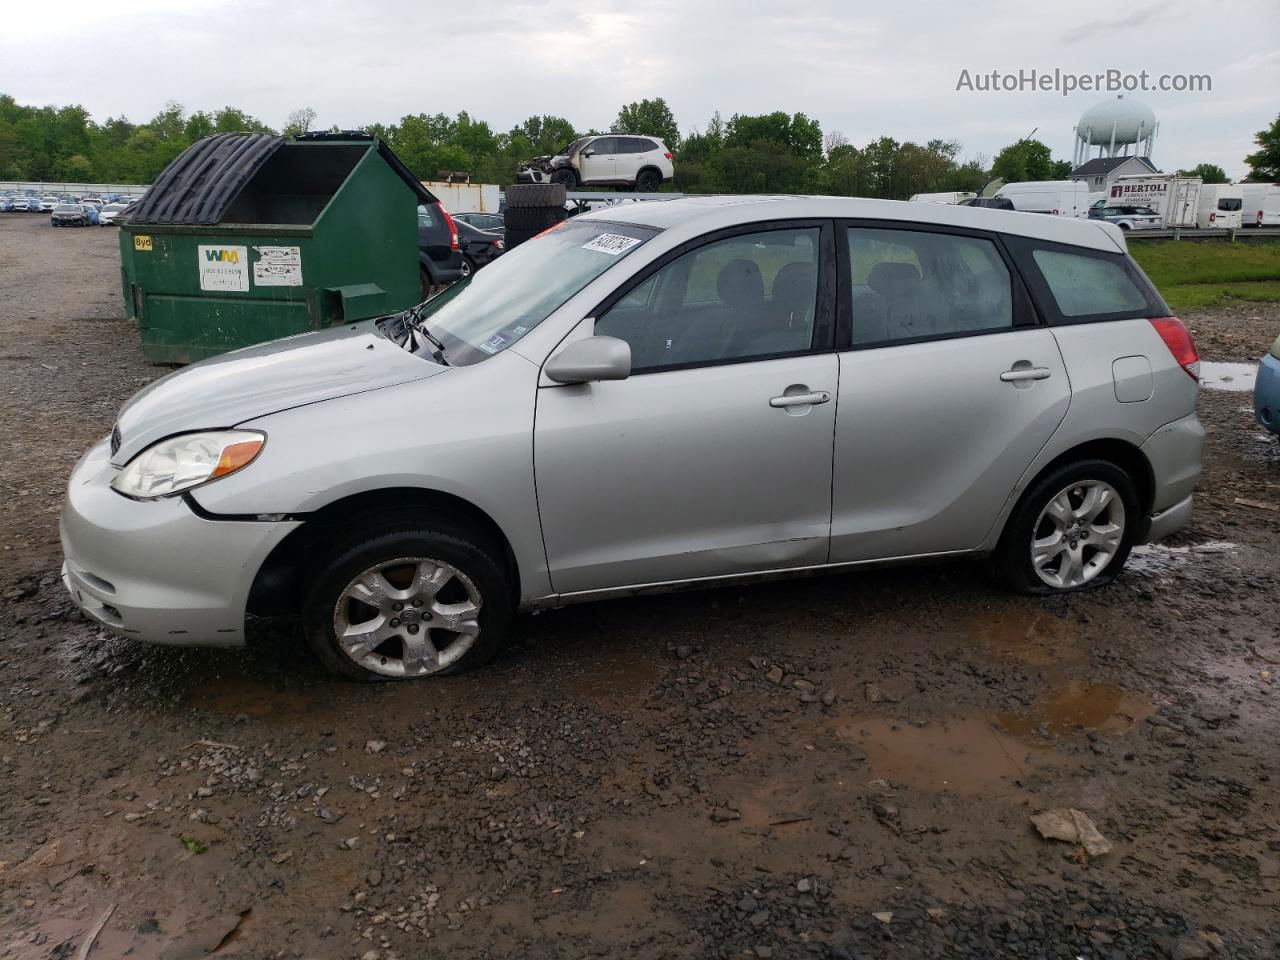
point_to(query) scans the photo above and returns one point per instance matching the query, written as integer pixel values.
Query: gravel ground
(835, 767)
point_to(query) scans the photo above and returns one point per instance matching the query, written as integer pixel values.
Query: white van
(953, 198)
(1219, 206)
(1261, 204)
(1061, 198)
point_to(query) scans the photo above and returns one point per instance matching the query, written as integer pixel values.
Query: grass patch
(1192, 275)
(194, 845)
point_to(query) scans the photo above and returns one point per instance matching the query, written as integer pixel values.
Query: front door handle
(801, 399)
(1026, 373)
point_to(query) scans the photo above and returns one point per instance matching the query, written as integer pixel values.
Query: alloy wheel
(1077, 534)
(408, 617)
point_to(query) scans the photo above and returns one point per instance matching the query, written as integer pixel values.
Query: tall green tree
(1024, 160)
(1208, 172)
(651, 117)
(1265, 163)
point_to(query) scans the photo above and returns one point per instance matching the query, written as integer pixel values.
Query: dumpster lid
(201, 184)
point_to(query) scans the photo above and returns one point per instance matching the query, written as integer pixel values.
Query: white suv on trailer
(624, 160)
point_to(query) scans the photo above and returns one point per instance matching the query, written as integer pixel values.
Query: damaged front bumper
(540, 169)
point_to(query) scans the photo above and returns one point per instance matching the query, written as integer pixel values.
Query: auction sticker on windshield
(611, 243)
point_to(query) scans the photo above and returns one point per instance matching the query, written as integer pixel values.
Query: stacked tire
(532, 208)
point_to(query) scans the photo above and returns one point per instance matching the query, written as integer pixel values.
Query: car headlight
(182, 462)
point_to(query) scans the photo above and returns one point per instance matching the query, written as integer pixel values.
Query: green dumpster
(249, 237)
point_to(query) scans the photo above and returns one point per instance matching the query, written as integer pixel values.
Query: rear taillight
(499, 245)
(1178, 339)
(668, 155)
(1213, 217)
(1259, 218)
(453, 227)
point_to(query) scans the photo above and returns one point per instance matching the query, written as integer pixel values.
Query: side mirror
(595, 358)
(588, 153)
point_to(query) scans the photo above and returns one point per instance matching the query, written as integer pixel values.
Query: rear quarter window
(1084, 285)
(1078, 285)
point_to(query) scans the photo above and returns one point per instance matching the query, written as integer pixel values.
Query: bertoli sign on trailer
(1173, 197)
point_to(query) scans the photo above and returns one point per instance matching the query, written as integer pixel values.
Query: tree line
(767, 153)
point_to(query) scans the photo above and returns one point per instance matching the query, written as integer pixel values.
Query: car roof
(696, 215)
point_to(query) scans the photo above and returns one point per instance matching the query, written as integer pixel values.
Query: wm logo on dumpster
(223, 256)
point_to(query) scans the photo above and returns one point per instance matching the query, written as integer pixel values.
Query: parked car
(625, 161)
(48, 203)
(492, 222)
(107, 215)
(991, 203)
(1266, 390)
(25, 205)
(439, 250)
(6, 204)
(643, 399)
(96, 201)
(479, 247)
(70, 215)
(1131, 218)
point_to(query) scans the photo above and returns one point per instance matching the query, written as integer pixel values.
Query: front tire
(1073, 531)
(566, 178)
(407, 600)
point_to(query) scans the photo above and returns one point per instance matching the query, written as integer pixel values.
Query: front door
(597, 162)
(714, 457)
(948, 394)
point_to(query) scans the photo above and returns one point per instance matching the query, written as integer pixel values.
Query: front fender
(471, 436)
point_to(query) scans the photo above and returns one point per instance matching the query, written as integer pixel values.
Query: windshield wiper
(418, 325)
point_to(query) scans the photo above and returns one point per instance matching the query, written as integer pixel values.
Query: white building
(1100, 171)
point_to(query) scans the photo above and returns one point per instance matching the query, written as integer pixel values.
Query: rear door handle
(802, 399)
(1026, 373)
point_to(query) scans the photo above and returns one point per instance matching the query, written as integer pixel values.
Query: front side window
(494, 307)
(1082, 285)
(743, 297)
(909, 284)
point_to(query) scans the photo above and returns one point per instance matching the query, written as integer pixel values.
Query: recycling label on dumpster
(224, 268)
(278, 267)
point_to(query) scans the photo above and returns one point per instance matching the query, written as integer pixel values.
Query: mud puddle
(1102, 707)
(1037, 638)
(1236, 377)
(966, 755)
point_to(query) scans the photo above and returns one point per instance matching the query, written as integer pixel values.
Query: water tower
(1114, 126)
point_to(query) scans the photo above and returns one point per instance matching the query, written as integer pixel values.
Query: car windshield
(494, 307)
(66, 208)
(113, 207)
(574, 147)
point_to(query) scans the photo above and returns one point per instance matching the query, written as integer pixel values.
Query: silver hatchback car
(696, 390)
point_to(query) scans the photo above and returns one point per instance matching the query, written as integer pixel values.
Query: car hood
(244, 384)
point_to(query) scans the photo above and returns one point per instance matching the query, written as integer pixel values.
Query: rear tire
(1060, 537)
(408, 580)
(648, 181)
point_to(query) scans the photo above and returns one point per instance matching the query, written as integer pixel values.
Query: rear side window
(1082, 285)
(910, 284)
(424, 217)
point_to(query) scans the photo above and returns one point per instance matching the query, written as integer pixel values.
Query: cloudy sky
(889, 68)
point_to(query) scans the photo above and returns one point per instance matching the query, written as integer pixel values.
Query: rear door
(949, 387)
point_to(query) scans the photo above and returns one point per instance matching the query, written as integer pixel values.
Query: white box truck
(1175, 198)
(1261, 204)
(1219, 206)
(1059, 198)
(466, 197)
(954, 197)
